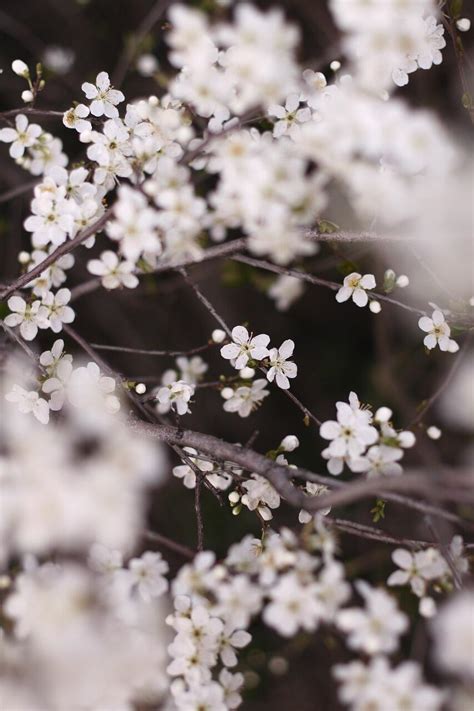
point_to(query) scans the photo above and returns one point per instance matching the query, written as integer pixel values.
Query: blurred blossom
(58, 59)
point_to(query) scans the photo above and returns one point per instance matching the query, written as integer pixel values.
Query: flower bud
(433, 432)
(402, 281)
(375, 307)
(247, 373)
(227, 393)
(289, 443)
(218, 336)
(234, 497)
(20, 68)
(140, 388)
(463, 24)
(27, 96)
(383, 414)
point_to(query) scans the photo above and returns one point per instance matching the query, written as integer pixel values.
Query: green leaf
(327, 227)
(378, 512)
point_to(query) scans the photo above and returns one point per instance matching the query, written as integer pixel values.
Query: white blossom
(23, 136)
(280, 367)
(438, 332)
(245, 347)
(103, 97)
(354, 287)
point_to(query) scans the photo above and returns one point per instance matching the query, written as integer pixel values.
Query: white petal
(240, 334)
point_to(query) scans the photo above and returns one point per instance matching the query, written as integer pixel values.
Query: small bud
(27, 96)
(236, 510)
(234, 497)
(147, 65)
(247, 373)
(433, 432)
(140, 388)
(218, 336)
(463, 24)
(85, 136)
(427, 607)
(24, 257)
(20, 68)
(227, 393)
(278, 666)
(375, 307)
(389, 280)
(402, 281)
(335, 65)
(289, 443)
(383, 414)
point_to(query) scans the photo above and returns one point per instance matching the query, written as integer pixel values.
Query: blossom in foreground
(21, 137)
(364, 686)
(280, 367)
(289, 116)
(104, 98)
(244, 347)
(29, 401)
(375, 628)
(292, 606)
(355, 286)
(453, 631)
(145, 575)
(438, 332)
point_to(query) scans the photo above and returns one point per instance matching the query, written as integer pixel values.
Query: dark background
(337, 348)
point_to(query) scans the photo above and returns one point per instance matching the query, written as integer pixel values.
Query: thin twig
(130, 49)
(446, 380)
(169, 543)
(304, 276)
(143, 351)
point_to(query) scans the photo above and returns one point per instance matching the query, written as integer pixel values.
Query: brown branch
(456, 487)
(304, 276)
(142, 351)
(216, 252)
(375, 534)
(64, 248)
(169, 543)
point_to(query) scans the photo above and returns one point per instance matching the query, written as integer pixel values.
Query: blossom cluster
(364, 442)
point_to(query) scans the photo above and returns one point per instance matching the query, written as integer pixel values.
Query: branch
(304, 276)
(128, 53)
(280, 476)
(142, 351)
(216, 252)
(64, 248)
